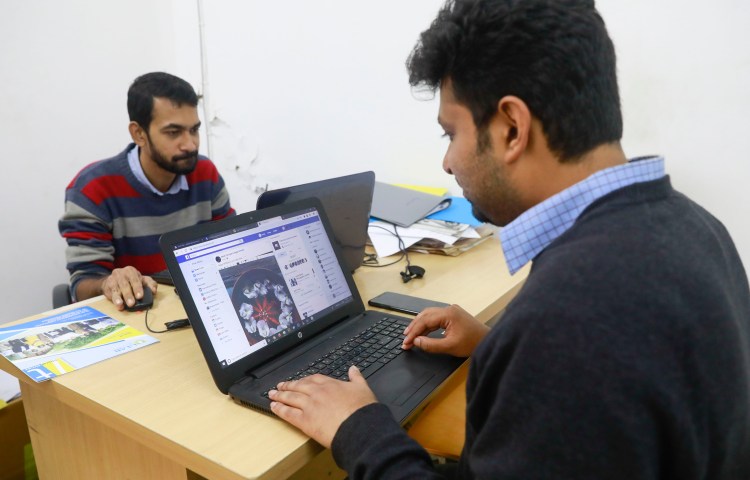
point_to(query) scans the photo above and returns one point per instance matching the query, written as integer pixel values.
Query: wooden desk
(156, 413)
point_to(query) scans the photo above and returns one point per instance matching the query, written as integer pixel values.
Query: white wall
(307, 90)
(299, 90)
(65, 67)
(684, 70)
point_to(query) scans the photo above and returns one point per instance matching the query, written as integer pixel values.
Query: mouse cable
(172, 325)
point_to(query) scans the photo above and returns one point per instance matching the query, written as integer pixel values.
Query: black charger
(175, 324)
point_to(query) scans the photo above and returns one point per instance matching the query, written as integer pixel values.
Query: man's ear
(515, 120)
(137, 133)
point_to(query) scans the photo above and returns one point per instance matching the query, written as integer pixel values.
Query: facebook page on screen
(255, 285)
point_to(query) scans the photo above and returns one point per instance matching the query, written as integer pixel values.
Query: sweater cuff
(358, 432)
(85, 276)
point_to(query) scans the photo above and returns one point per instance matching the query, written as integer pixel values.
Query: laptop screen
(256, 284)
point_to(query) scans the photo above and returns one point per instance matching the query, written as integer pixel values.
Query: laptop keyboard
(368, 350)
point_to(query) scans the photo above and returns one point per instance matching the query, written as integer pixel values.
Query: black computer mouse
(143, 303)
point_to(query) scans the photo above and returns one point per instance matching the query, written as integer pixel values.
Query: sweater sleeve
(88, 233)
(371, 445)
(220, 205)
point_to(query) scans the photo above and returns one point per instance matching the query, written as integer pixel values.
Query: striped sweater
(111, 220)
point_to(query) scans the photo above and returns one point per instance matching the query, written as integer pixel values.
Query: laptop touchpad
(398, 388)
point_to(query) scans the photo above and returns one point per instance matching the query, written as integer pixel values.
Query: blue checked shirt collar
(526, 236)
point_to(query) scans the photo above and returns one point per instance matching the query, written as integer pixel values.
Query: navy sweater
(626, 355)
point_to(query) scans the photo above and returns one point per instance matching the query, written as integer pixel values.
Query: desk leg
(71, 445)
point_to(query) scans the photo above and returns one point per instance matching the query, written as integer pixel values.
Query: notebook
(269, 298)
(404, 206)
(347, 201)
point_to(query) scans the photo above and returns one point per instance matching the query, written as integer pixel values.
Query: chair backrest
(61, 295)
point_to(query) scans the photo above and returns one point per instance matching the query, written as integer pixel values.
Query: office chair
(61, 295)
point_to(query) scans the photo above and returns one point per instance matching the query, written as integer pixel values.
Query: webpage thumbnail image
(59, 339)
(260, 299)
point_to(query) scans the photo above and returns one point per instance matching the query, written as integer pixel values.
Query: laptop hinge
(286, 357)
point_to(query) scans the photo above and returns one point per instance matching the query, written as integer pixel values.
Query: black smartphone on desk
(403, 303)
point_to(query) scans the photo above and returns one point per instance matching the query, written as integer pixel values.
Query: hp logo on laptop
(299, 334)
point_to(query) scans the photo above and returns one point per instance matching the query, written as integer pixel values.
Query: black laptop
(347, 201)
(269, 300)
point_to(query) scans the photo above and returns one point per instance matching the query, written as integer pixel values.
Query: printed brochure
(65, 342)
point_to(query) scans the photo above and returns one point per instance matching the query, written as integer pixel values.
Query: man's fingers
(285, 412)
(428, 320)
(318, 405)
(304, 385)
(133, 282)
(149, 283)
(415, 328)
(289, 397)
(124, 285)
(127, 295)
(355, 375)
(114, 295)
(130, 284)
(432, 345)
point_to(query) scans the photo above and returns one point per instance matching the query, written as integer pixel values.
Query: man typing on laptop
(116, 209)
(625, 354)
(271, 297)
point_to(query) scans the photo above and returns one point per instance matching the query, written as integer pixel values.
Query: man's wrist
(100, 285)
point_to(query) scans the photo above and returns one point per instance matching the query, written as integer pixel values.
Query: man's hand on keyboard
(318, 405)
(462, 331)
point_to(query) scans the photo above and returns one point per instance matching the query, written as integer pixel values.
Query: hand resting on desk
(462, 331)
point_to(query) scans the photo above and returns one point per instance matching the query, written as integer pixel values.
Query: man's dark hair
(157, 84)
(555, 55)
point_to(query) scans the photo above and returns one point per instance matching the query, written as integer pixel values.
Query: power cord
(371, 259)
(410, 272)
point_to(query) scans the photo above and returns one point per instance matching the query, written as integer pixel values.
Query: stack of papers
(449, 232)
(429, 245)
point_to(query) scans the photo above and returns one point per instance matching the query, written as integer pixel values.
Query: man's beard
(478, 214)
(179, 164)
(500, 201)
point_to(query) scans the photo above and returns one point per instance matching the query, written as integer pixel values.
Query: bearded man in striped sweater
(116, 209)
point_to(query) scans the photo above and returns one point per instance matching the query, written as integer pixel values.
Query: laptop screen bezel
(226, 376)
